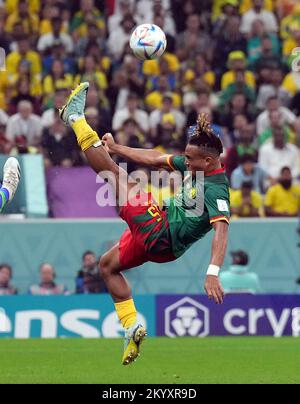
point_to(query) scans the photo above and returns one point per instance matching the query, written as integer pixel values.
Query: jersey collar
(215, 172)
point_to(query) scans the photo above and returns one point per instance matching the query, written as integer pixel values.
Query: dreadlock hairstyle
(202, 135)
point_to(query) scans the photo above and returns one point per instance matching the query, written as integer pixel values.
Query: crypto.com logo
(187, 318)
(2, 60)
(296, 61)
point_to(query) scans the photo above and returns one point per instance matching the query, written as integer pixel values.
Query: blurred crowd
(238, 61)
(87, 281)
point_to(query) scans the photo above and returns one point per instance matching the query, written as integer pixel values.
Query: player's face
(195, 160)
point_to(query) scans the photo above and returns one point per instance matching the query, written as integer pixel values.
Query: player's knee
(104, 267)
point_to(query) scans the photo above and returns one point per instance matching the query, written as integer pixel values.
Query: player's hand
(109, 142)
(214, 289)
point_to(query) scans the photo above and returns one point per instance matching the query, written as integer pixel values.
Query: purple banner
(196, 316)
(72, 193)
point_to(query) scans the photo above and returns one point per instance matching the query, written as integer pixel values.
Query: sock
(86, 136)
(4, 198)
(127, 313)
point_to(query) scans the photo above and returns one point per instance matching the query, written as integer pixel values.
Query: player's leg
(11, 179)
(73, 114)
(99, 159)
(120, 290)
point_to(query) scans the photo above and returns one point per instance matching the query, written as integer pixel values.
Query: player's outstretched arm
(213, 286)
(145, 157)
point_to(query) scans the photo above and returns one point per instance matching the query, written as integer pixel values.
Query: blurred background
(236, 60)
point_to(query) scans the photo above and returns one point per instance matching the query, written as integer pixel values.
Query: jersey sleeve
(177, 163)
(218, 205)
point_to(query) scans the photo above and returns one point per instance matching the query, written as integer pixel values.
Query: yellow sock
(86, 136)
(126, 312)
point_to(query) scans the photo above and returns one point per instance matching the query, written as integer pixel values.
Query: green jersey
(198, 204)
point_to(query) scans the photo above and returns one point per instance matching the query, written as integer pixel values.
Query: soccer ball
(148, 42)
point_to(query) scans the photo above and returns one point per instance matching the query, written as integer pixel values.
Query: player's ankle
(74, 118)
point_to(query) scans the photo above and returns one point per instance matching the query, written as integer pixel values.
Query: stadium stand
(235, 60)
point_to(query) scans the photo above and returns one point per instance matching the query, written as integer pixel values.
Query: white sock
(75, 117)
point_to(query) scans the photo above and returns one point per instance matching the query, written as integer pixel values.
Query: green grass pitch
(172, 361)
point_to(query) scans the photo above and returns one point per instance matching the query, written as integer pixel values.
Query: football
(148, 42)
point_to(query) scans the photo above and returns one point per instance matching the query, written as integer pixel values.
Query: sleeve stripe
(170, 162)
(219, 219)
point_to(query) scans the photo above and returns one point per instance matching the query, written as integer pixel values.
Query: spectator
(24, 123)
(130, 134)
(88, 13)
(238, 279)
(229, 9)
(237, 64)
(240, 87)
(114, 21)
(246, 202)
(88, 279)
(56, 80)
(273, 89)
(26, 90)
(278, 153)
(119, 38)
(51, 10)
(257, 44)
(293, 41)
(3, 118)
(167, 135)
(47, 41)
(49, 116)
(17, 34)
(6, 287)
(24, 54)
(166, 23)
(292, 17)
(273, 104)
(131, 111)
(258, 13)
(230, 40)
(94, 36)
(167, 108)
(196, 40)
(249, 171)
(59, 146)
(47, 285)
(58, 52)
(244, 145)
(164, 69)
(283, 199)
(154, 99)
(29, 20)
(90, 72)
(182, 10)
(21, 147)
(5, 37)
(275, 122)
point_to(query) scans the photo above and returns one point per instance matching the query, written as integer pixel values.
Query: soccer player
(11, 179)
(156, 235)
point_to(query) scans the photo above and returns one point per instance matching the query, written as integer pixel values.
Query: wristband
(213, 270)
